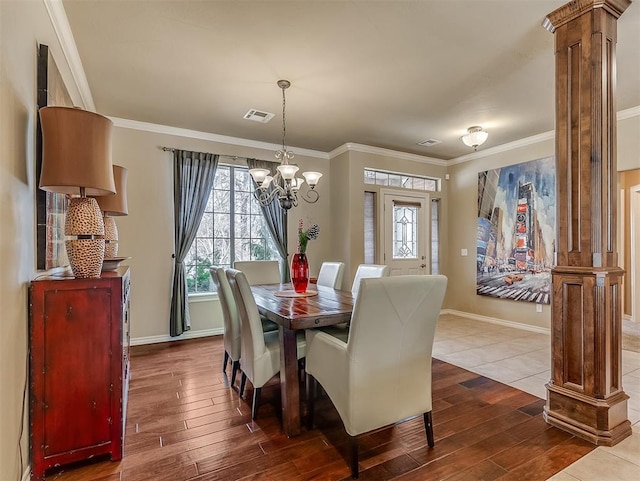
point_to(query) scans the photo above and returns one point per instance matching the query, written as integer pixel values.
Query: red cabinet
(79, 365)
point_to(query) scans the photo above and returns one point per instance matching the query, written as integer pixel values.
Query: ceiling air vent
(259, 116)
(429, 142)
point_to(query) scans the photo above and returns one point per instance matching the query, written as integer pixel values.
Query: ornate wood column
(584, 395)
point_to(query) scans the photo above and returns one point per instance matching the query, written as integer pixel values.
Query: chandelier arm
(311, 196)
(266, 196)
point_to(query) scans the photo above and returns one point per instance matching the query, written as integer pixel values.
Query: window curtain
(276, 218)
(193, 174)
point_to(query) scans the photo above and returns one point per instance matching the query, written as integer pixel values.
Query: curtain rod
(173, 149)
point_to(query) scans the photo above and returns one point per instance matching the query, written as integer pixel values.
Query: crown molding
(534, 139)
(60, 23)
(367, 149)
(516, 144)
(223, 139)
(628, 113)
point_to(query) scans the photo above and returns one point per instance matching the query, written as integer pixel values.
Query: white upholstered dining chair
(366, 271)
(260, 359)
(231, 322)
(382, 373)
(259, 272)
(331, 274)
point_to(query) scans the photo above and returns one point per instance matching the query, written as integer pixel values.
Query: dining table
(316, 307)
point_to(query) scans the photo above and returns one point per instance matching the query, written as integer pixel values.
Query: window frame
(202, 295)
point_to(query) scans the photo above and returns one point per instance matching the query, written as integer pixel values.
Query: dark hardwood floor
(185, 423)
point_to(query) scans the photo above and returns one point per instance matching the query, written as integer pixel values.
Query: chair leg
(243, 381)
(353, 456)
(256, 400)
(226, 360)
(236, 366)
(311, 395)
(428, 426)
(301, 370)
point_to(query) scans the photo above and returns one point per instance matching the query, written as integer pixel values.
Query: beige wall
(629, 143)
(341, 231)
(22, 26)
(463, 189)
(146, 234)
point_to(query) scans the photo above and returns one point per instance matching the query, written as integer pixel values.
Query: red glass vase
(299, 272)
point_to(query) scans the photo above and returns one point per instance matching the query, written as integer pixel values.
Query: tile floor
(522, 359)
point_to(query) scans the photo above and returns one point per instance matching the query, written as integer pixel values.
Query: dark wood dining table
(292, 314)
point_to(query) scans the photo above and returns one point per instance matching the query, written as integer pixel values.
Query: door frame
(634, 250)
(419, 196)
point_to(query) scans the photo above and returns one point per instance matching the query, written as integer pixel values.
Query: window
(435, 236)
(405, 233)
(232, 229)
(369, 228)
(401, 181)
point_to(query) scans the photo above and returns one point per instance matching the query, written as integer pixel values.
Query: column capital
(575, 8)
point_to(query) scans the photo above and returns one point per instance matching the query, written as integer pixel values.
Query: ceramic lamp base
(83, 217)
(110, 237)
(110, 249)
(86, 257)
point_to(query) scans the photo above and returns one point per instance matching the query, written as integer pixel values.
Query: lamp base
(86, 257)
(110, 249)
(110, 237)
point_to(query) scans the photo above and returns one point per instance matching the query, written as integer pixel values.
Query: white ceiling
(382, 73)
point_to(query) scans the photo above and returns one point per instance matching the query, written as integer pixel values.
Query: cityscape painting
(516, 231)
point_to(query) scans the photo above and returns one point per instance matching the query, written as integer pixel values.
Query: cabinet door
(77, 385)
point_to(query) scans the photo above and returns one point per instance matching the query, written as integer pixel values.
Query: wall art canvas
(516, 231)
(51, 207)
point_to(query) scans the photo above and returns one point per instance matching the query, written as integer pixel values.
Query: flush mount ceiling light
(284, 185)
(474, 137)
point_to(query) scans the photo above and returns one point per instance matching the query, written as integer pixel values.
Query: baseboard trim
(494, 320)
(139, 341)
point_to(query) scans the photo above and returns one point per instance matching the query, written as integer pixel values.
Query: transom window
(232, 229)
(401, 181)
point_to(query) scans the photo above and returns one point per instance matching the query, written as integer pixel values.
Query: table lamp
(76, 161)
(114, 205)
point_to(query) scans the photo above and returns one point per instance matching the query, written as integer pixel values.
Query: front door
(405, 233)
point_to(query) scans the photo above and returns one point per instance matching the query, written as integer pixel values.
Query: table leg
(289, 386)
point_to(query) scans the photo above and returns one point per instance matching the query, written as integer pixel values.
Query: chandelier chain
(284, 122)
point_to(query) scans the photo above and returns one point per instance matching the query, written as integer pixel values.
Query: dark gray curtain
(276, 218)
(193, 174)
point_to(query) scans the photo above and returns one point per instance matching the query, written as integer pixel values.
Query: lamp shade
(76, 146)
(113, 205)
(475, 136)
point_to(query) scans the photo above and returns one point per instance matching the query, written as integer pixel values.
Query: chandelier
(474, 137)
(284, 185)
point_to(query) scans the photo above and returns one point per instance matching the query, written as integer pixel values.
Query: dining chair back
(260, 359)
(331, 274)
(382, 373)
(366, 271)
(230, 321)
(259, 272)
